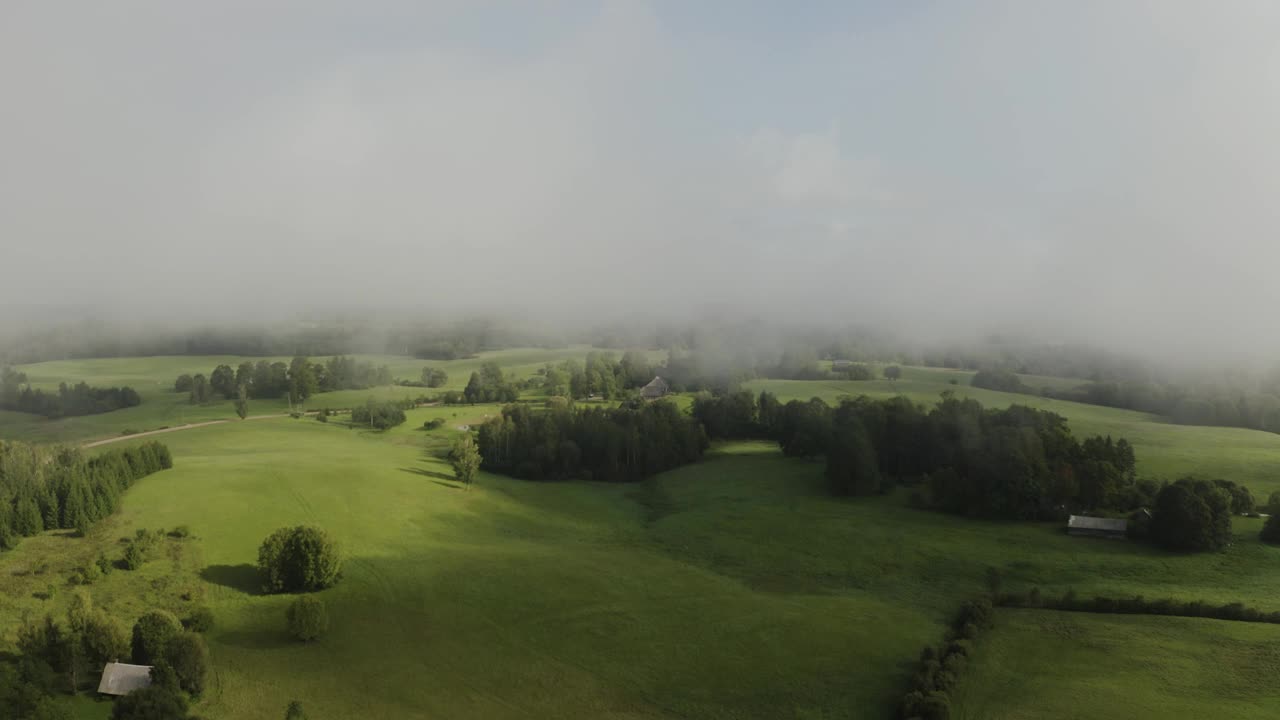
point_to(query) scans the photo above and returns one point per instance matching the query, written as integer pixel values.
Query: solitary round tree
(308, 618)
(299, 559)
(151, 634)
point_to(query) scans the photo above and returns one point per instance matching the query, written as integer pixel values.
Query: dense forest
(613, 445)
(43, 488)
(69, 401)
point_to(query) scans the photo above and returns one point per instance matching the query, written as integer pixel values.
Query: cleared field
(1164, 450)
(1058, 666)
(733, 588)
(153, 378)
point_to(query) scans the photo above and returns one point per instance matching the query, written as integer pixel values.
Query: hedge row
(1138, 605)
(940, 667)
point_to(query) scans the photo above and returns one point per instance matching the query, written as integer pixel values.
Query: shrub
(434, 424)
(88, 575)
(104, 565)
(151, 634)
(299, 559)
(294, 711)
(307, 618)
(182, 531)
(200, 620)
(141, 548)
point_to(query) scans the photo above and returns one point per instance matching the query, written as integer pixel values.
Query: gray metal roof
(1084, 522)
(122, 679)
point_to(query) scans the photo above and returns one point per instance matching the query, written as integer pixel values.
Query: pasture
(732, 588)
(1053, 665)
(161, 407)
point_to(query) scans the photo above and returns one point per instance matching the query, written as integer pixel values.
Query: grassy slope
(153, 378)
(729, 589)
(1163, 449)
(1051, 665)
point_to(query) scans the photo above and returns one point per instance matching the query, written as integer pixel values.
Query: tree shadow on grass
(428, 473)
(244, 578)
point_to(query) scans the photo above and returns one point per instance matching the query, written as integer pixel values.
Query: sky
(1089, 171)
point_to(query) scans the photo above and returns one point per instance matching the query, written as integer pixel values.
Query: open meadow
(1051, 665)
(161, 406)
(735, 587)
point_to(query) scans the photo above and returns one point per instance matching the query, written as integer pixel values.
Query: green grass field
(1051, 665)
(153, 378)
(733, 588)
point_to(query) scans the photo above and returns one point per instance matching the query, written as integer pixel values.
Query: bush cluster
(299, 559)
(380, 415)
(940, 667)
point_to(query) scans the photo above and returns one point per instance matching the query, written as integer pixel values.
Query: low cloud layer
(1098, 170)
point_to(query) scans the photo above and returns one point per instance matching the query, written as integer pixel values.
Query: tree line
(609, 444)
(1016, 463)
(1256, 406)
(601, 375)
(299, 379)
(46, 489)
(17, 394)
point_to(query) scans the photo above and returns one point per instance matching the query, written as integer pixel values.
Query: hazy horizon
(1085, 172)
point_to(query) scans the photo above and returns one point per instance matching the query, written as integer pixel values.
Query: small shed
(1086, 526)
(656, 388)
(122, 678)
(841, 364)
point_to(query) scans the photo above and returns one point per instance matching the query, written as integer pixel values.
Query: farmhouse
(841, 364)
(122, 679)
(1097, 527)
(656, 388)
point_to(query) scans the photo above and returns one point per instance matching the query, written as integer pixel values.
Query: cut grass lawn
(1051, 665)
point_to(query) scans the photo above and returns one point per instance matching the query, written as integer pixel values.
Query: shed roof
(122, 678)
(1084, 522)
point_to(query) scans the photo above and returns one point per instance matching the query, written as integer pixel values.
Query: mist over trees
(300, 379)
(17, 394)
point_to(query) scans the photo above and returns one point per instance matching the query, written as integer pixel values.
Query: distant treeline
(1256, 407)
(301, 378)
(613, 445)
(69, 401)
(602, 374)
(44, 489)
